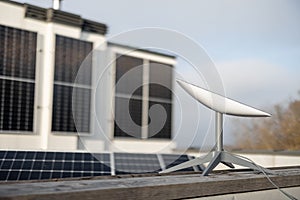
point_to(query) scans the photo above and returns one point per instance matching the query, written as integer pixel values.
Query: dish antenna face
(221, 105)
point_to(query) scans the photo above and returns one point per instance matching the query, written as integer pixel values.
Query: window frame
(145, 97)
(28, 80)
(161, 100)
(72, 85)
(124, 95)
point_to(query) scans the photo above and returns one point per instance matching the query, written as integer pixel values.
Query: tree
(280, 132)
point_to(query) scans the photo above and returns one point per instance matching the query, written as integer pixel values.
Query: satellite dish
(221, 105)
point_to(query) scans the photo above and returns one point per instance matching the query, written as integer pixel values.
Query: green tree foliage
(280, 132)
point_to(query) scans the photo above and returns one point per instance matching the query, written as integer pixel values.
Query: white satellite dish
(221, 105)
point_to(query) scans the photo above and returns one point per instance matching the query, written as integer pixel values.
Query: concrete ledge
(172, 186)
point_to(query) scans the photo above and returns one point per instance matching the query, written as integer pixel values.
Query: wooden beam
(171, 186)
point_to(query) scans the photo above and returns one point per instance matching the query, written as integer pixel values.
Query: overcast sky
(254, 44)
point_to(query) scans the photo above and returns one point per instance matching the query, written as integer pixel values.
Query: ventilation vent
(58, 16)
(63, 17)
(94, 27)
(35, 12)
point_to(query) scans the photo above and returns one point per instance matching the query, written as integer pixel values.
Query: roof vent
(57, 4)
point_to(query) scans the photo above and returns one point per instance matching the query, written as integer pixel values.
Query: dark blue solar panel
(59, 156)
(27, 164)
(24, 175)
(40, 155)
(13, 175)
(20, 155)
(6, 164)
(32, 165)
(30, 155)
(3, 174)
(49, 155)
(10, 154)
(2, 154)
(68, 156)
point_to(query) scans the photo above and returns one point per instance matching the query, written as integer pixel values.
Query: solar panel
(133, 163)
(28, 165)
(37, 165)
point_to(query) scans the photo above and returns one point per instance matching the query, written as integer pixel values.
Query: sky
(254, 44)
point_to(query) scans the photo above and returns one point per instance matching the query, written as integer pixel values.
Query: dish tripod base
(218, 155)
(214, 158)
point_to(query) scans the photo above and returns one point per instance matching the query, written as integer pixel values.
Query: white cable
(286, 194)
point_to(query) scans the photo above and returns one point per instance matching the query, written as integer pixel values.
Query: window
(158, 94)
(161, 94)
(17, 79)
(123, 65)
(69, 55)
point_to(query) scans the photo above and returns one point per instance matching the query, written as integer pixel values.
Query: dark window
(129, 71)
(160, 78)
(17, 78)
(160, 92)
(123, 127)
(69, 56)
(17, 53)
(129, 74)
(72, 85)
(165, 132)
(63, 120)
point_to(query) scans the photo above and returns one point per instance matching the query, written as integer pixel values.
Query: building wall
(101, 136)
(105, 98)
(12, 15)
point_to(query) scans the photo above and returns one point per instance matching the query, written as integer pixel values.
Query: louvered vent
(35, 12)
(58, 16)
(94, 27)
(63, 17)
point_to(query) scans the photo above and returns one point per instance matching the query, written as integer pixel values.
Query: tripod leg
(227, 157)
(196, 161)
(213, 163)
(228, 164)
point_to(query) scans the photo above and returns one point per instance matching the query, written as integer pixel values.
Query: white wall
(155, 146)
(101, 137)
(41, 138)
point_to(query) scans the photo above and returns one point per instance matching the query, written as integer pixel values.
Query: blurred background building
(41, 52)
